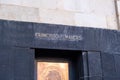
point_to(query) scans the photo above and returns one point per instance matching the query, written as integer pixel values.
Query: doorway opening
(58, 64)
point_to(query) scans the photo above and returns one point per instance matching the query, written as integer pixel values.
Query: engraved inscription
(58, 36)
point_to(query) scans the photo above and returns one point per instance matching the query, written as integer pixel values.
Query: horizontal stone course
(89, 13)
(19, 13)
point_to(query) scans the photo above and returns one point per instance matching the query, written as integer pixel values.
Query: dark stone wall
(100, 47)
(16, 63)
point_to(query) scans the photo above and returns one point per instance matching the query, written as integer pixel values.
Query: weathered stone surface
(109, 41)
(1, 32)
(43, 4)
(108, 65)
(91, 20)
(59, 37)
(68, 5)
(56, 17)
(94, 58)
(23, 64)
(102, 48)
(92, 39)
(117, 64)
(5, 63)
(19, 13)
(17, 33)
(11, 2)
(90, 13)
(16, 63)
(111, 22)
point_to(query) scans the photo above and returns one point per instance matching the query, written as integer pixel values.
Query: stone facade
(92, 54)
(88, 13)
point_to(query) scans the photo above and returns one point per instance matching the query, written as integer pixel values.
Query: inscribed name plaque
(61, 37)
(52, 71)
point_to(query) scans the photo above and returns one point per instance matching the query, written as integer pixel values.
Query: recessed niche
(58, 64)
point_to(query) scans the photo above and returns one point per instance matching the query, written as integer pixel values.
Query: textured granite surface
(100, 48)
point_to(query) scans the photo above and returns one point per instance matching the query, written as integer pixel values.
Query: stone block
(56, 17)
(102, 7)
(103, 10)
(117, 64)
(108, 65)
(111, 22)
(16, 63)
(82, 6)
(5, 66)
(68, 5)
(94, 64)
(92, 39)
(1, 32)
(90, 20)
(19, 13)
(17, 34)
(11, 2)
(43, 4)
(109, 41)
(23, 64)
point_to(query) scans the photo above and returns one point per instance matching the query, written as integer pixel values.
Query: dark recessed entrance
(58, 64)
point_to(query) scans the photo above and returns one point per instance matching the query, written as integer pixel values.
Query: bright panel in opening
(52, 71)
